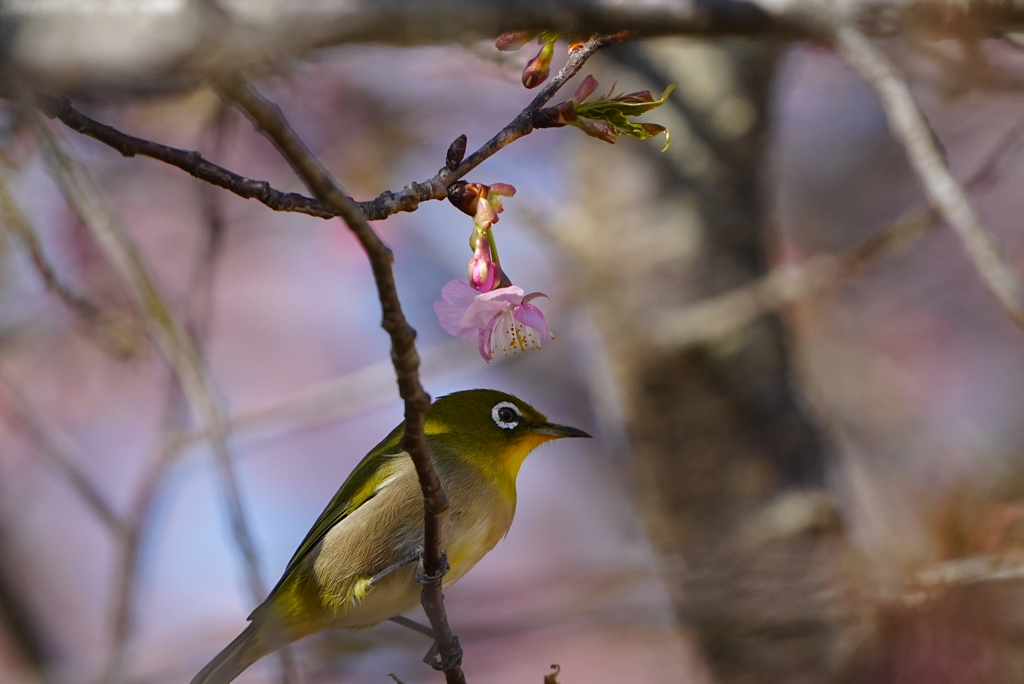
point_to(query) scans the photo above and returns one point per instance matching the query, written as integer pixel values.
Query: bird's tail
(246, 649)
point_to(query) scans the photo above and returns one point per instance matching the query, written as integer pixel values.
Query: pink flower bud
(482, 274)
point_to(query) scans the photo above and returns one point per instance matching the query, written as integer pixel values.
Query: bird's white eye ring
(506, 415)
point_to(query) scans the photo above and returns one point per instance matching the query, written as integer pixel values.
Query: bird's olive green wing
(361, 486)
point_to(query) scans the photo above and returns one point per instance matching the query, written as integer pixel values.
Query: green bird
(357, 565)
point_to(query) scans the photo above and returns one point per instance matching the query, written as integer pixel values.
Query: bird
(357, 565)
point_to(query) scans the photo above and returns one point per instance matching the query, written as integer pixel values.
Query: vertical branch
(270, 121)
(167, 332)
(945, 193)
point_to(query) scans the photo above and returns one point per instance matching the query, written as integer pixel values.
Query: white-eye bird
(357, 565)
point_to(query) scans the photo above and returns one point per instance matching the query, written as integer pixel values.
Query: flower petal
(503, 189)
(459, 293)
(485, 216)
(480, 313)
(511, 295)
(532, 317)
(457, 296)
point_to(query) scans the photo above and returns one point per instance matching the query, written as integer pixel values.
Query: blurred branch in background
(333, 399)
(58, 449)
(119, 335)
(166, 330)
(727, 314)
(56, 49)
(717, 436)
(945, 193)
(163, 326)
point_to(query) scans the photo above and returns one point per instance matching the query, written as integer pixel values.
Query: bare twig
(332, 399)
(383, 206)
(945, 193)
(725, 314)
(964, 571)
(112, 335)
(163, 326)
(57, 448)
(186, 160)
(126, 573)
(523, 124)
(268, 118)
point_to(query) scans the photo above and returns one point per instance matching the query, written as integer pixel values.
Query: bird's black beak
(558, 431)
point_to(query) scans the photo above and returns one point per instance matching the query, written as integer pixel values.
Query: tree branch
(383, 206)
(269, 120)
(945, 193)
(187, 160)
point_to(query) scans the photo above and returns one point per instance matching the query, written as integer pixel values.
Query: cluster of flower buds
(489, 308)
(483, 203)
(608, 116)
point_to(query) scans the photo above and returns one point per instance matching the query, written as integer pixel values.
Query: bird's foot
(416, 555)
(446, 661)
(442, 569)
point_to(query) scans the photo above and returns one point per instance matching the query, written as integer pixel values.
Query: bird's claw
(448, 661)
(442, 569)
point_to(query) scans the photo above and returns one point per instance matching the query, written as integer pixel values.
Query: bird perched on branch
(357, 566)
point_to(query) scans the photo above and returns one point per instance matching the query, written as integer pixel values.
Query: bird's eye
(506, 415)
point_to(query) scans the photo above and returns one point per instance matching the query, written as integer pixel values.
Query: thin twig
(523, 124)
(945, 193)
(725, 314)
(187, 160)
(383, 206)
(126, 575)
(269, 120)
(332, 399)
(111, 334)
(57, 448)
(162, 325)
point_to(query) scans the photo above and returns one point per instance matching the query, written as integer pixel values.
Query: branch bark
(384, 205)
(269, 120)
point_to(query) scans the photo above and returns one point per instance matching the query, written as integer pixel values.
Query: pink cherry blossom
(502, 320)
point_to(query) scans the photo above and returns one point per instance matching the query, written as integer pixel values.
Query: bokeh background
(763, 504)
